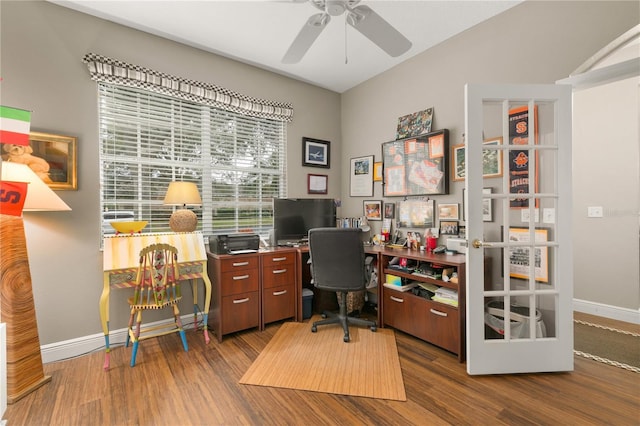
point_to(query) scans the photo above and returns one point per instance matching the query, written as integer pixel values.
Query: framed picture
(519, 256)
(361, 176)
(51, 157)
(316, 153)
(415, 124)
(522, 132)
(389, 210)
(491, 160)
(487, 206)
(457, 162)
(416, 166)
(416, 214)
(448, 212)
(448, 227)
(377, 171)
(373, 209)
(317, 184)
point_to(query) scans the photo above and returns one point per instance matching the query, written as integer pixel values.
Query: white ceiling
(260, 32)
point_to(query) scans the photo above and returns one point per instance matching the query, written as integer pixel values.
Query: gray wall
(40, 63)
(535, 42)
(42, 46)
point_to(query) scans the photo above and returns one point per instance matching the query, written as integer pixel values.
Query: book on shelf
(405, 287)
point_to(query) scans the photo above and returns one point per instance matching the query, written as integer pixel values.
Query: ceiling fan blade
(379, 31)
(307, 35)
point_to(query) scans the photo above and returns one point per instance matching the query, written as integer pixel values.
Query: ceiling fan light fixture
(335, 7)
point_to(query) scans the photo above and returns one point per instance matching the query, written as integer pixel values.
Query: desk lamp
(183, 194)
(25, 371)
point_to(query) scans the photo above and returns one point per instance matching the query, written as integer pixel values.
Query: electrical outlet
(594, 211)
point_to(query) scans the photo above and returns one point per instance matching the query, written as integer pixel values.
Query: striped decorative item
(14, 126)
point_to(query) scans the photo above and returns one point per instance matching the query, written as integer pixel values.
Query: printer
(234, 243)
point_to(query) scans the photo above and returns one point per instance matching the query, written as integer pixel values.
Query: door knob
(476, 243)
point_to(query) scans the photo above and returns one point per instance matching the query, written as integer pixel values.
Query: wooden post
(25, 372)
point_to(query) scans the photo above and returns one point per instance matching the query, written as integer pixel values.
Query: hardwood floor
(171, 387)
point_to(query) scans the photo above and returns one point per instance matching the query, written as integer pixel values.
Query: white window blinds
(149, 139)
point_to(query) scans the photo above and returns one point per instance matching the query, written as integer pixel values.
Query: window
(149, 139)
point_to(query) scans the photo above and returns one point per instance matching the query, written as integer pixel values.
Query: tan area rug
(609, 345)
(296, 358)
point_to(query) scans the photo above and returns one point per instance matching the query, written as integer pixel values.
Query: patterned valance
(110, 70)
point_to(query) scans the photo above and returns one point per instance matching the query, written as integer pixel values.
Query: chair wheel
(346, 338)
(324, 316)
(374, 328)
(314, 328)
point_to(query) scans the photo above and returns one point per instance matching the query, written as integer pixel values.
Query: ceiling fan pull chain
(346, 60)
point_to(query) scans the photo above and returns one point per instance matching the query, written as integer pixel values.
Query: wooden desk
(120, 266)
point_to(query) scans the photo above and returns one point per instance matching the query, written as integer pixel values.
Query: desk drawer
(278, 303)
(442, 326)
(238, 263)
(279, 259)
(239, 312)
(278, 275)
(241, 281)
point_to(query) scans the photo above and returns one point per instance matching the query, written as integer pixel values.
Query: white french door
(519, 265)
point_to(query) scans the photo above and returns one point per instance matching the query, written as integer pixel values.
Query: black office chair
(337, 264)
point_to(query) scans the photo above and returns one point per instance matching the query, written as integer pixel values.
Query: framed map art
(416, 165)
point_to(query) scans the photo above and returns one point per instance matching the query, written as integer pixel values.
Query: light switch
(549, 215)
(594, 211)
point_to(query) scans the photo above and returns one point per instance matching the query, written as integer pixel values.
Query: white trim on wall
(607, 311)
(72, 348)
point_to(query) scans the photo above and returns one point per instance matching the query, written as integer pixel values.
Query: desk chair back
(338, 264)
(156, 287)
(337, 259)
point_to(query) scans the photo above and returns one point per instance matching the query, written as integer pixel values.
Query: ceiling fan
(362, 18)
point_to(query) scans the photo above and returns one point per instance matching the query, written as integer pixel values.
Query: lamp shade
(39, 196)
(182, 194)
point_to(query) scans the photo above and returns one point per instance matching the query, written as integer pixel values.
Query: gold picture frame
(60, 154)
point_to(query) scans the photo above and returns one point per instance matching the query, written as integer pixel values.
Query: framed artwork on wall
(519, 256)
(317, 184)
(316, 153)
(448, 212)
(377, 171)
(448, 227)
(52, 157)
(491, 160)
(373, 209)
(389, 210)
(487, 205)
(416, 214)
(416, 166)
(361, 176)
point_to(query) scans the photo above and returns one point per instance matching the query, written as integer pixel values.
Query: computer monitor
(293, 217)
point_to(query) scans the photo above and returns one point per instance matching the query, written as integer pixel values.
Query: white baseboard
(83, 345)
(607, 311)
(72, 348)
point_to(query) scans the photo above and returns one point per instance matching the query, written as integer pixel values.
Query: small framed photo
(373, 209)
(361, 177)
(487, 206)
(377, 171)
(457, 160)
(389, 210)
(52, 157)
(491, 160)
(316, 153)
(448, 211)
(317, 184)
(448, 227)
